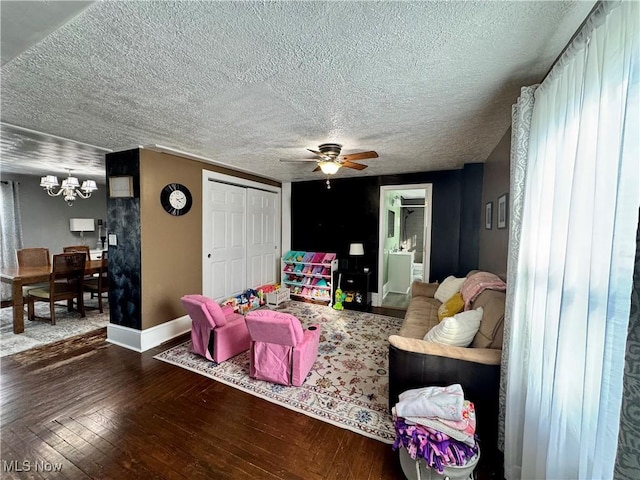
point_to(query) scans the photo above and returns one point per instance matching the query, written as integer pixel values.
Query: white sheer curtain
(575, 262)
(10, 229)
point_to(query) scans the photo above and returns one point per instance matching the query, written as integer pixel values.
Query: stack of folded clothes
(436, 424)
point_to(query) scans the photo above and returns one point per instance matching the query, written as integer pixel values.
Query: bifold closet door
(224, 240)
(262, 239)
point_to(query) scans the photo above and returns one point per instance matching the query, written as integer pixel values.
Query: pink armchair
(217, 333)
(281, 352)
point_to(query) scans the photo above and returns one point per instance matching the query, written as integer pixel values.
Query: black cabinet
(355, 285)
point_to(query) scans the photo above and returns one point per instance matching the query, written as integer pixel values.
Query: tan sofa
(415, 363)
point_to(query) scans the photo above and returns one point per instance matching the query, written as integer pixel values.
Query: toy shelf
(308, 275)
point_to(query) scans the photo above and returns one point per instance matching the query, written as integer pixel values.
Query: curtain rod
(573, 37)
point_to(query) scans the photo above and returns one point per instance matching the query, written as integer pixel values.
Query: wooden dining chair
(66, 283)
(33, 257)
(99, 284)
(78, 248)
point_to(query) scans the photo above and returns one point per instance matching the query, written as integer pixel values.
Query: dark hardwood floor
(93, 410)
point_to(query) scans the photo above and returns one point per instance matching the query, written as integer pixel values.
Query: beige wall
(171, 246)
(494, 243)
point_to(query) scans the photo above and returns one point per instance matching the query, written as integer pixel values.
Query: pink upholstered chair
(217, 333)
(281, 351)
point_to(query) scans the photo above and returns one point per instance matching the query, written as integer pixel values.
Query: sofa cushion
(420, 289)
(458, 330)
(452, 306)
(448, 288)
(491, 327)
(421, 316)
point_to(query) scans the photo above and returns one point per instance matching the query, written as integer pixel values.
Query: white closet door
(262, 237)
(224, 240)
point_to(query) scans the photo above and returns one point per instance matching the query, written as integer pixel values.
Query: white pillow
(448, 288)
(458, 330)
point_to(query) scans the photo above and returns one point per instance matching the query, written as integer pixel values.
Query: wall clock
(176, 199)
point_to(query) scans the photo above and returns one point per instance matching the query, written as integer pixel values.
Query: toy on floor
(340, 296)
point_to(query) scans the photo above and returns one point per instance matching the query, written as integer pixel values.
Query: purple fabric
(230, 336)
(281, 351)
(437, 449)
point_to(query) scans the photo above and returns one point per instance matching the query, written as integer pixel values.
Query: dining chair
(33, 257)
(65, 283)
(99, 284)
(78, 248)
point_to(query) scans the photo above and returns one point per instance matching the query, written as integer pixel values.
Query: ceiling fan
(330, 161)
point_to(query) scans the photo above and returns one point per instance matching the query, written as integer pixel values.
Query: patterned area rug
(39, 332)
(348, 384)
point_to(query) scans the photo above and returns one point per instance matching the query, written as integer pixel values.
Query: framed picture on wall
(488, 215)
(502, 211)
(121, 186)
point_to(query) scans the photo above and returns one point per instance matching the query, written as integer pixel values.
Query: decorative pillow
(448, 288)
(458, 330)
(452, 306)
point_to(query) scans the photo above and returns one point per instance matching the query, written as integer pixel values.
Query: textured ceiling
(428, 85)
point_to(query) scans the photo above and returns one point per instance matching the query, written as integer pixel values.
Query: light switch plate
(113, 240)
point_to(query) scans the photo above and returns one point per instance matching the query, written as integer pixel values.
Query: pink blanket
(476, 283)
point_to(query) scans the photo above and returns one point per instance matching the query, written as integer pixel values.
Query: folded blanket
(463, 430)
(476, 283)
(442, 402)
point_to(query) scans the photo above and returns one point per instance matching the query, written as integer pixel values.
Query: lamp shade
(356, 249)
(329, 168)
(81, 225)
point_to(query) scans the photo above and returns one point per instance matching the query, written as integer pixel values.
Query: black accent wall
(470, 217)
(123, 220)
(329, 220)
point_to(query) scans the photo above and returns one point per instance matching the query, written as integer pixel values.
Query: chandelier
(70, 187)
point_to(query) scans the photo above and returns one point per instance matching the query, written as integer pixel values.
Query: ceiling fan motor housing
(330, 149)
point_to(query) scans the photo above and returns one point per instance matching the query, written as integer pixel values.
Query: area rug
(348, 384)
(38, 333)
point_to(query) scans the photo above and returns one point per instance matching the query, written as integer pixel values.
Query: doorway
(405, 241)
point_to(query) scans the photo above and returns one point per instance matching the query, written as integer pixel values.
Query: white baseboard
(142, 340)
(375, 300)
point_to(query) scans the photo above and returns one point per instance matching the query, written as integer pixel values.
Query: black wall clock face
(176, 199)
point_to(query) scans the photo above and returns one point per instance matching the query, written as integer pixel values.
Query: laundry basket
(418, 469)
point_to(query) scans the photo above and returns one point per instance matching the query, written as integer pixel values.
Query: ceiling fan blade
(317, 169)
(300, 160)
(356, 166)
(320, 154)
(358, 156)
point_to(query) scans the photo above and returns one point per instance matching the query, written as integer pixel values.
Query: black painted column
(123, 221)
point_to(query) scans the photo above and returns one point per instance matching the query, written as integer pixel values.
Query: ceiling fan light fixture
(329, 168)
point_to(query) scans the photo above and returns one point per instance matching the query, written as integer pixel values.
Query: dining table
(18, 277)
